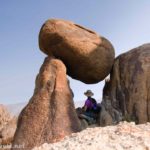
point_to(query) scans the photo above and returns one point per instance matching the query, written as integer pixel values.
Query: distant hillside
(79, 104)
(15, 109)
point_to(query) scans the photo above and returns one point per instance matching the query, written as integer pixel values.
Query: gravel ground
(124, 136)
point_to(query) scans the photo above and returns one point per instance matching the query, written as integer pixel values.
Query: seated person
(90, 109)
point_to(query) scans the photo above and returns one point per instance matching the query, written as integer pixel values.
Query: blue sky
(125, 23)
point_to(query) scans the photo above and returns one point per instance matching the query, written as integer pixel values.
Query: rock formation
(129, 85)
(105, 118)
(4, 116)
(87, 56)
(50, 114)
(8, 131)
(108, 114)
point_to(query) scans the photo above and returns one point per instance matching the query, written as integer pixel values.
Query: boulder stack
(50, 114)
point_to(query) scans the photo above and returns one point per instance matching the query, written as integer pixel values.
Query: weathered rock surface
(124, 136)
(4, 116)
(105, 119)
(84, 124)
(87, 56)
(108, 114)
(129, 85)
(50, 114)
(8, 131)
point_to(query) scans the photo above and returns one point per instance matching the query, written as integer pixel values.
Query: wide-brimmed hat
(88, 93)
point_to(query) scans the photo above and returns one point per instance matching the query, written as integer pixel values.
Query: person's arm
(85, 108)
(86, 105)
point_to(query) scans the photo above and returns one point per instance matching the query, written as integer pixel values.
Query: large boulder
(129, 85)
(87, 56)
(50, 114)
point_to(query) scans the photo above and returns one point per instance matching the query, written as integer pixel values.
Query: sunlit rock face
(50, 114)
(87, 56)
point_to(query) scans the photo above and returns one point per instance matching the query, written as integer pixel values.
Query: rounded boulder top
(87, 56)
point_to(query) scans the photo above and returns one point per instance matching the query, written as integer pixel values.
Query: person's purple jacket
(88, 104)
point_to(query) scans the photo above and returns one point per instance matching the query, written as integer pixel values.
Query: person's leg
(91, 117)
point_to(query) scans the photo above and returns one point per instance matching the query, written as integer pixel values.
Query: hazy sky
(126, 23)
